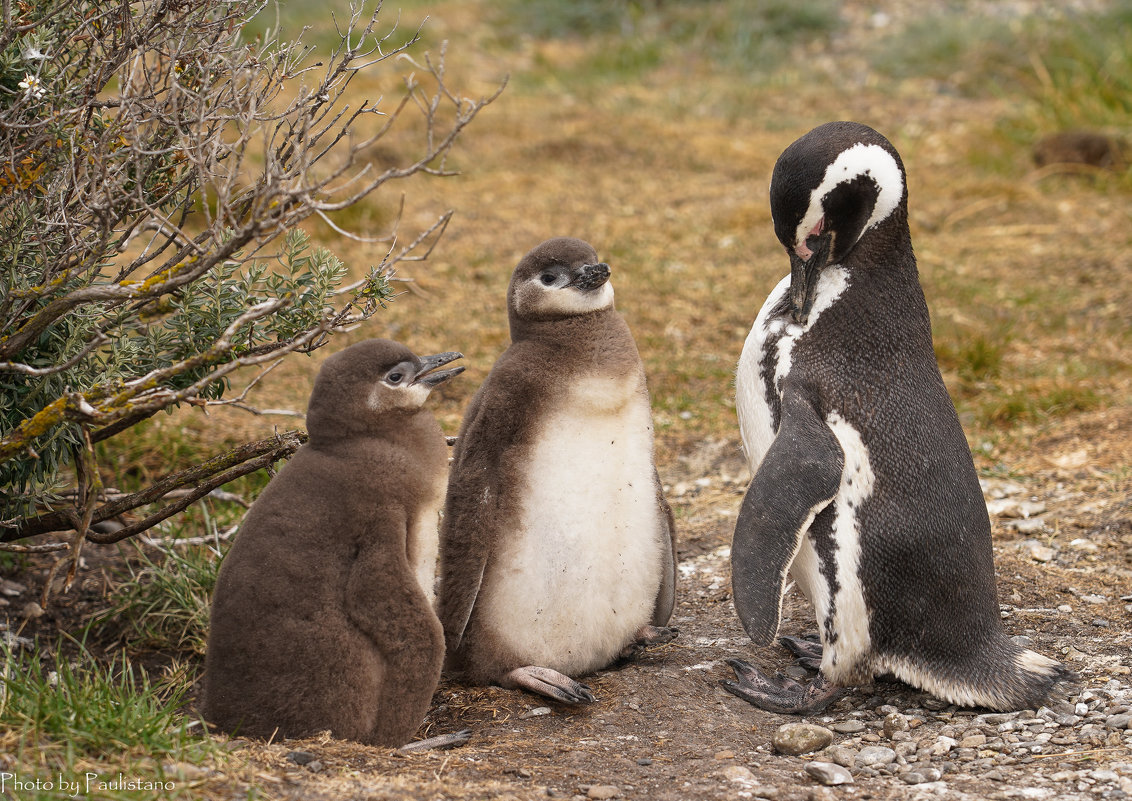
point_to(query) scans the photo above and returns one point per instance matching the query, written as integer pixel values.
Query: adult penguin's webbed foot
(780, 694)
(807, 650)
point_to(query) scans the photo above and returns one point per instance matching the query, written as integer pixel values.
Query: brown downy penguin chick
(557, 546)
(322, 615)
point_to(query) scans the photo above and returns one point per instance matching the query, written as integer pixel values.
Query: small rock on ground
(875, 755)
(794, 739)
(828, 773)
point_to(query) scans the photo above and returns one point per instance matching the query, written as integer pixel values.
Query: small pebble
(801, 738)
(301, 757)
(894, 722)
(828, 773)
(11, 588)
(942, 745)
(603, 792)
(874, 755)
(848, 727)
(538, 711)
(1032, 525)
(186, 770)
(740, 775)
(906, 750)
(1118, 721)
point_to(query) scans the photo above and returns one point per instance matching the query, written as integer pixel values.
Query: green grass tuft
(82, 721)
(162, 603)
(629, 38)
(1080, 75)
(951, 47)
(98, 710)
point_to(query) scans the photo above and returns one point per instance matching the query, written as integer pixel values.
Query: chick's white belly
(580, 575)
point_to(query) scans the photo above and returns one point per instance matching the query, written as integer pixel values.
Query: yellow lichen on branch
(72, 406)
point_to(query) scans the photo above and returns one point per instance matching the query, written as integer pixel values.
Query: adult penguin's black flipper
(798, 477)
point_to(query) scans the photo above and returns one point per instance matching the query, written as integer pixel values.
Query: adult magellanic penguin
(322, 616)
(864, 488)
(557, 546)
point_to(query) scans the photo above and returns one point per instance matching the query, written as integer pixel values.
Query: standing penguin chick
(557, 546)
(321, 618)
(864, 487)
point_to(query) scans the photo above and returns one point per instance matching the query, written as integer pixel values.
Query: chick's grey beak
(591, 276)
(430, 376)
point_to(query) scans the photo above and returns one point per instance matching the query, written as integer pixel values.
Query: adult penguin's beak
(804, 272)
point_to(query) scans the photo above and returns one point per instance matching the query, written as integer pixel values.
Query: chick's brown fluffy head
(560, 278)
(359, 385)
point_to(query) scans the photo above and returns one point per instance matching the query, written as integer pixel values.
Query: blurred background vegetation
(650, 129)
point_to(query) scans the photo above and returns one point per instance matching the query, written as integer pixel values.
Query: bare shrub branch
(155, 165)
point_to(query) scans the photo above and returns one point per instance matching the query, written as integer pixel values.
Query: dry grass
(666, 175)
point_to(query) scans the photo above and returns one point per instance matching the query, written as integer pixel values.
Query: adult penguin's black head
(831, 190)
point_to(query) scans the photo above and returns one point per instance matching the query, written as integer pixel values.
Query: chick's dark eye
(547, 278)
(394, 377)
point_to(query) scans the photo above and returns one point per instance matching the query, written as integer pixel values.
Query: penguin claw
(549, 683)
(646, 636)
(656, 635)
(808, 647)
(780, 693)
(744, 670)
(440, 741)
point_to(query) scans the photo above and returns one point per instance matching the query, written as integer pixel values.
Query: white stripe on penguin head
(861, 159)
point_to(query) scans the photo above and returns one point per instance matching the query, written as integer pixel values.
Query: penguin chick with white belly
(864, 488)
(322, 615)
(557, 546)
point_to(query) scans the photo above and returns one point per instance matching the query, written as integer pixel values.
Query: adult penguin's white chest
(764, 366)
(768, 357)
(579, 574)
